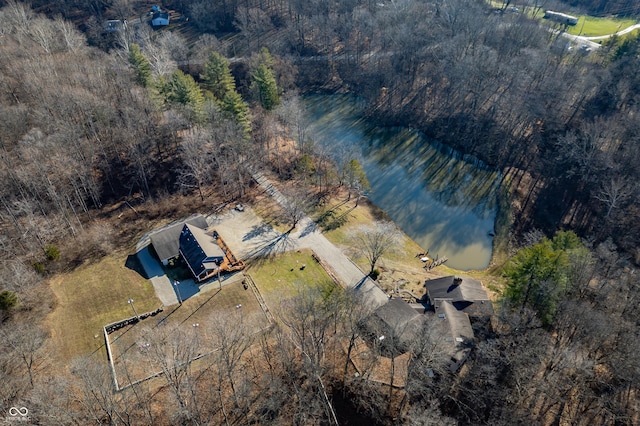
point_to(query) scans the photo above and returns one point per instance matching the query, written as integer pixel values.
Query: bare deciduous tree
(196, 155)
(26, 341)
(296, 203)
(373, 241)
(613, 193)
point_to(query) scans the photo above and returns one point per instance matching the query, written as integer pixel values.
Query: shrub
(375, 274)
(52, 252)
(39, 267)
(8, 299)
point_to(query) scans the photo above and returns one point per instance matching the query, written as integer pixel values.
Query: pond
(445, 202)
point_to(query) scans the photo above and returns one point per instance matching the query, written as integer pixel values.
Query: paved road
(307, 235)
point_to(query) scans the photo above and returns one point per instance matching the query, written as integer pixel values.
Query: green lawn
(282, 276)
(92, 296)
(590, 26)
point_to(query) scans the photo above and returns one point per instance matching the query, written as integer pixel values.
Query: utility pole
(178, 291)
(130, 301)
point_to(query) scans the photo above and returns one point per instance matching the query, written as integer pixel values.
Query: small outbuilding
(115, 25)
(561, 18)
(159, 18)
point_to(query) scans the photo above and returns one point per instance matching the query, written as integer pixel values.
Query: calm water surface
(447, 204)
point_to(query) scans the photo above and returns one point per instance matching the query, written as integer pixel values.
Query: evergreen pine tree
(141, 65)
(183, 89)
(263, 82)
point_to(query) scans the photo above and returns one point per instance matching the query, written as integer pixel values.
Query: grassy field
(92, 296)
(282, 276)
(590, 26)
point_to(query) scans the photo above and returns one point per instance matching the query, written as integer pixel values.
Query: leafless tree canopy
(375, 240)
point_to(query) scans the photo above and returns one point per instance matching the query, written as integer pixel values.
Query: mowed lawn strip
(281, 277)
(590, 26)
(92, 296)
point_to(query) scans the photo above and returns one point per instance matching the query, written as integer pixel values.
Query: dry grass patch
(269, 210)
(90, 297)
(192, 320)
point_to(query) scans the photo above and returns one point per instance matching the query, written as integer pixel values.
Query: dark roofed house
(465, 294)
(166, 241)
(394, 324)
(463, 306)
(200, 251)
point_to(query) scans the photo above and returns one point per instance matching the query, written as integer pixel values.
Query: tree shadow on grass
(330, 221)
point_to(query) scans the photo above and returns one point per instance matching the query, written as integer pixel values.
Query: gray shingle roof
(396, 313)
(465, 294)
(458, 333)
(166, 241)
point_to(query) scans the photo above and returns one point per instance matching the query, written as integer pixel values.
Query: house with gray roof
(394, 326)
(159, 18)
(457, 332)
(166, 241)
(200, 251)
(465, 294)
(463, 307)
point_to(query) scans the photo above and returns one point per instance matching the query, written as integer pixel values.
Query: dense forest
(96, 124)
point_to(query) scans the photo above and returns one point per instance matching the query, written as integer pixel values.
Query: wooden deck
(230, 263)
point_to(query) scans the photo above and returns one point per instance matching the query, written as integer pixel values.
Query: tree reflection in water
(445, 202)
